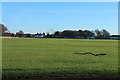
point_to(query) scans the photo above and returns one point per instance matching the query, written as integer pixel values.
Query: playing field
(40, 57)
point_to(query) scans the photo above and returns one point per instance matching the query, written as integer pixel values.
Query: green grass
(41, 58)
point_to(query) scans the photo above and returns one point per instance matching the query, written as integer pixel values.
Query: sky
(48, 17)
(60, 0)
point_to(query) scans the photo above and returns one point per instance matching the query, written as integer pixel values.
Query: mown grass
(41, 58)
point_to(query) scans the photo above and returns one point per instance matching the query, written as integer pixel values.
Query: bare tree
(98, 34)
(105, 34)
(2, 29)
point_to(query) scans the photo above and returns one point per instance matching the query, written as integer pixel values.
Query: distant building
(115, 37)
(38, 36)
(33, 35)
(79, 37)
(6, 34)
(90, 37)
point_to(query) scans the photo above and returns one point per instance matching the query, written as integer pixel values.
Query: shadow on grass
(41, 74)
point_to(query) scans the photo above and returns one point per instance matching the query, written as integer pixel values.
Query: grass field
(40, 58)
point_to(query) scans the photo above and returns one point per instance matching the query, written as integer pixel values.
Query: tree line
(98, 34)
